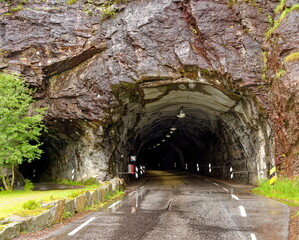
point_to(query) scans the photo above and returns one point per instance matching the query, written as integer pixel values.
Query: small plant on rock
(71, 2)
(292, 57)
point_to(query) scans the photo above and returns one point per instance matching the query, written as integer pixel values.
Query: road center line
(111, 206)
(206, 180)
(141, 187)
(131, 193)
(216, 184)
(235, 197)
(225, 189)
(81, 226)
(253, 237)
(242, 211)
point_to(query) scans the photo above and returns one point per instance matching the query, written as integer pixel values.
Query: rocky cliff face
(91, 61)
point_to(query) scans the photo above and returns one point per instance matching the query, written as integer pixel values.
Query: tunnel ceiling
(202, 104)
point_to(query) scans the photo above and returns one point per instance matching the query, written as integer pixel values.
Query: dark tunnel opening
(200, 129)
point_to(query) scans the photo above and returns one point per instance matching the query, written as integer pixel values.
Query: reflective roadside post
(272, 176)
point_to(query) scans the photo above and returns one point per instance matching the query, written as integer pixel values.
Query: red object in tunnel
(131, 168)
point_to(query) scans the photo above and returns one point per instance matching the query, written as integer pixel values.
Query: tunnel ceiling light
(168, 136)
(171, 132)
(181, 114)
(158, 144)
(163, 140)
(172, 129)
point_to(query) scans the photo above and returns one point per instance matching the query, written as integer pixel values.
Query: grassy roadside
(284, 190)
(13, 202)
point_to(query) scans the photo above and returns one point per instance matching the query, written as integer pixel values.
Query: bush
(31, 205)
(67, 214)
(90, 181)
(28, 185)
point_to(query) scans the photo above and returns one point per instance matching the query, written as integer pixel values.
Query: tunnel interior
(199, 128)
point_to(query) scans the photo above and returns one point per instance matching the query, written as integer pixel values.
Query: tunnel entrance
(183, 124)
(196, 127)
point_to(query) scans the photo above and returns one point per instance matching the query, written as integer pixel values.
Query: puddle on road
(131, 201)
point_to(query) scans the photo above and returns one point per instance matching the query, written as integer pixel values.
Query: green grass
(284, 189)
(12, 202)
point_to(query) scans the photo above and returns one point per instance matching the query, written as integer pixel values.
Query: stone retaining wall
(57, 209)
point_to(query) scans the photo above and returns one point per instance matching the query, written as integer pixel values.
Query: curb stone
(57, 209)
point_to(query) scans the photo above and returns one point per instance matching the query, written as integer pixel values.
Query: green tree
(20, 126)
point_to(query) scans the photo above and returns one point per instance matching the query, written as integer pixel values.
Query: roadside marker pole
(273, 176)
(231, 172)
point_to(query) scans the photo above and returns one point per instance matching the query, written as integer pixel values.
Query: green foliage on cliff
(280, 73)
(70, 2)
(16, 9)
(280, 19)
(280, 6)
(20, 126)
(292, 57)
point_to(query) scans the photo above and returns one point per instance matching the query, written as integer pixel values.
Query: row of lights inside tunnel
(181, 114)
(168, 135)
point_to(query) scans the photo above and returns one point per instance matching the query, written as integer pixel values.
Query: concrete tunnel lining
(213, 119)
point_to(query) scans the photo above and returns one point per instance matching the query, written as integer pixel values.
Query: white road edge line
(242, 211)
(111, 206)
(216, 184)
(141, 187)
(253, 237)
(225, 189)
(131, 193)
(235, 197)
(206, 180)
(81, 226)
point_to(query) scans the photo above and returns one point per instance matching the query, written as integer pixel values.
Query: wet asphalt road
(177, 206)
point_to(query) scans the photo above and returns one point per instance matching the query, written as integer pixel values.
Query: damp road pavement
(180, 206)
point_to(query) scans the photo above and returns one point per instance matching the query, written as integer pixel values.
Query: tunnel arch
(222, 129)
